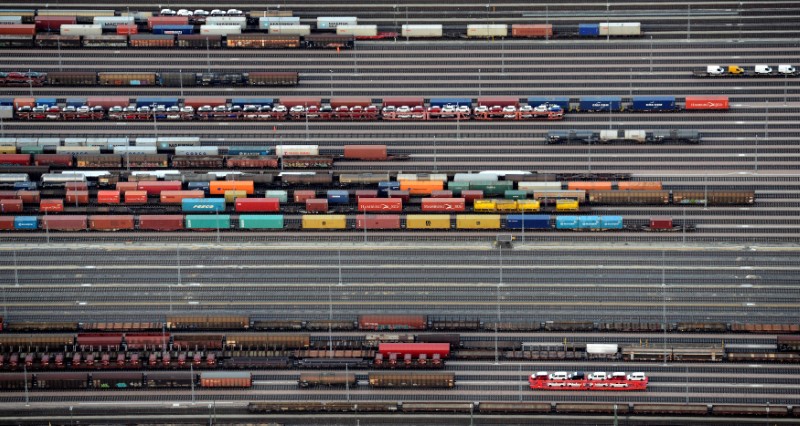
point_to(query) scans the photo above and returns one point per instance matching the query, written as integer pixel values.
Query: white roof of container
(601, 348)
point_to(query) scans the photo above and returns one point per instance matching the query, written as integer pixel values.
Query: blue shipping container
(163, 101)
(26, 222)
(173, 29)
(566, 222)
(203, 204)
(588, 222)
(6, 101)
(252, 101)
(653, 103)
(199, 186)
(611, 222)
(563, 102)
(338, 197)
(248, 150)
(531, 221)
(46, 102)
(589, 30)
(440, 102)
(605, 103)
(76, 102)
(385, 187)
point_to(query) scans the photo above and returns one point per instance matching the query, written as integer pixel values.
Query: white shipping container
(358, 30)
(282, 150)
(146, 142)
(496, 30)
(473, 177)
(331, 22)
(421, 31)
(75, 142)
(241, 21)
(539, 186)
(44, 142)
(221, 30)
(10, 20)
(196, 150)
(433, 177)
(265, 22)
(112, 142)
(135, 150)
(111, 22)
(179, 141)
(301, 30)
(81, 30)
(601, 348)
(620, 28)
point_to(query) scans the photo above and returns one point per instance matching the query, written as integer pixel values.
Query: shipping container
(428, 221)
(365, 152)
(81, 30)
(627, 29)
(108, 197)
(281, 195)
(161, 222)
(532, 30)
(487, 30)
(375, 221)
(296, 30)
(155, 187)
(111, 22)
(231, 196)
(10, 20)
(445, 193)
(707, 103)
(266, 22)
(601, 103)
(53, 23)
(357, 30)
(653, 103)
(421, 187)
(177, 197)
(208, 221)
(317, 205)
(519, 221)
(240, 21)
(332, 22)
(589, 30)
(296, 150)
(110, 222)
(421, 31)
(380, 205)
(332, 221)
(257, 205)
(477, 221)
(127, 29)
(75, 197)
(218, 187)
(443, 204)
(64, 223)
(661, 223)
(26, 222)
(136, 197)
(166, 20)
(261, 221)
(18, 29)
(173, 29)
(203, 204)
(220, 30)
(336, 196)
(300, 196)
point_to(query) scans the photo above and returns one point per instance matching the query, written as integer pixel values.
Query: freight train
(591, 137)
(123, 380)
(164, 79)
(529, 408)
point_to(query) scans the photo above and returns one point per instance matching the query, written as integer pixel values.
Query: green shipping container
(492, 188)
(282, 196)
(208, 221)
(513, 194)
(31, 150)
(457, 187)
(261, 221)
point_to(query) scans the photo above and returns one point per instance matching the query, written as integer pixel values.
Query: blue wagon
(198, 205)
(528, 221)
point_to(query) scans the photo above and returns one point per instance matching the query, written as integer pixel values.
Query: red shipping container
(498, 101)
(159, 222)
(398, 101)
(707, 102)
(79, 197)
(18, 29)
(29, 197)
(392, 322)
(198, 101)
(24, 102)
(444, 193)
(135, 197)
(15, 159)
(443, 204)
(110, 222)
(127, 186)
(661, 222)
(108, 197)
(176, 197)
(10, 206)
(252, 161)
(291, 101)
(366, 193)
(403, 195)
(300, 196)
(127, 29)
(365, 152)
(155, 187)
(64, 223)
(532, 30)
(317, 205)
(76, 186)
(380, 205)
(415, 349)
(53, 23)
(108, 101)
(167, 20)
(257, 205)
(8, 195)
(51, 205)
(62, 160)
(378, 221)
(351, 101)
(7, 223)
(471, 195)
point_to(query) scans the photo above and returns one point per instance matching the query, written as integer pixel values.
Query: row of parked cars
(201, 12)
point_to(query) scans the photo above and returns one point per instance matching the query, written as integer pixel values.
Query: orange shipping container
(24, 102)
(421, 187)
(639, 186)
(79, 197)
(108, 197)
(18, 29)
(136, 197)
(127, 29)
(51, 206)
(127, 186)
(218, 187)
(176, 197)
(11, 206)
(589, 185)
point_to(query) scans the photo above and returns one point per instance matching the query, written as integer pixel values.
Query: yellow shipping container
(566, 205)
(324, 221)
(484, 205)
(232, 195)
(478, 221)
(528, 205)
(428, 221)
